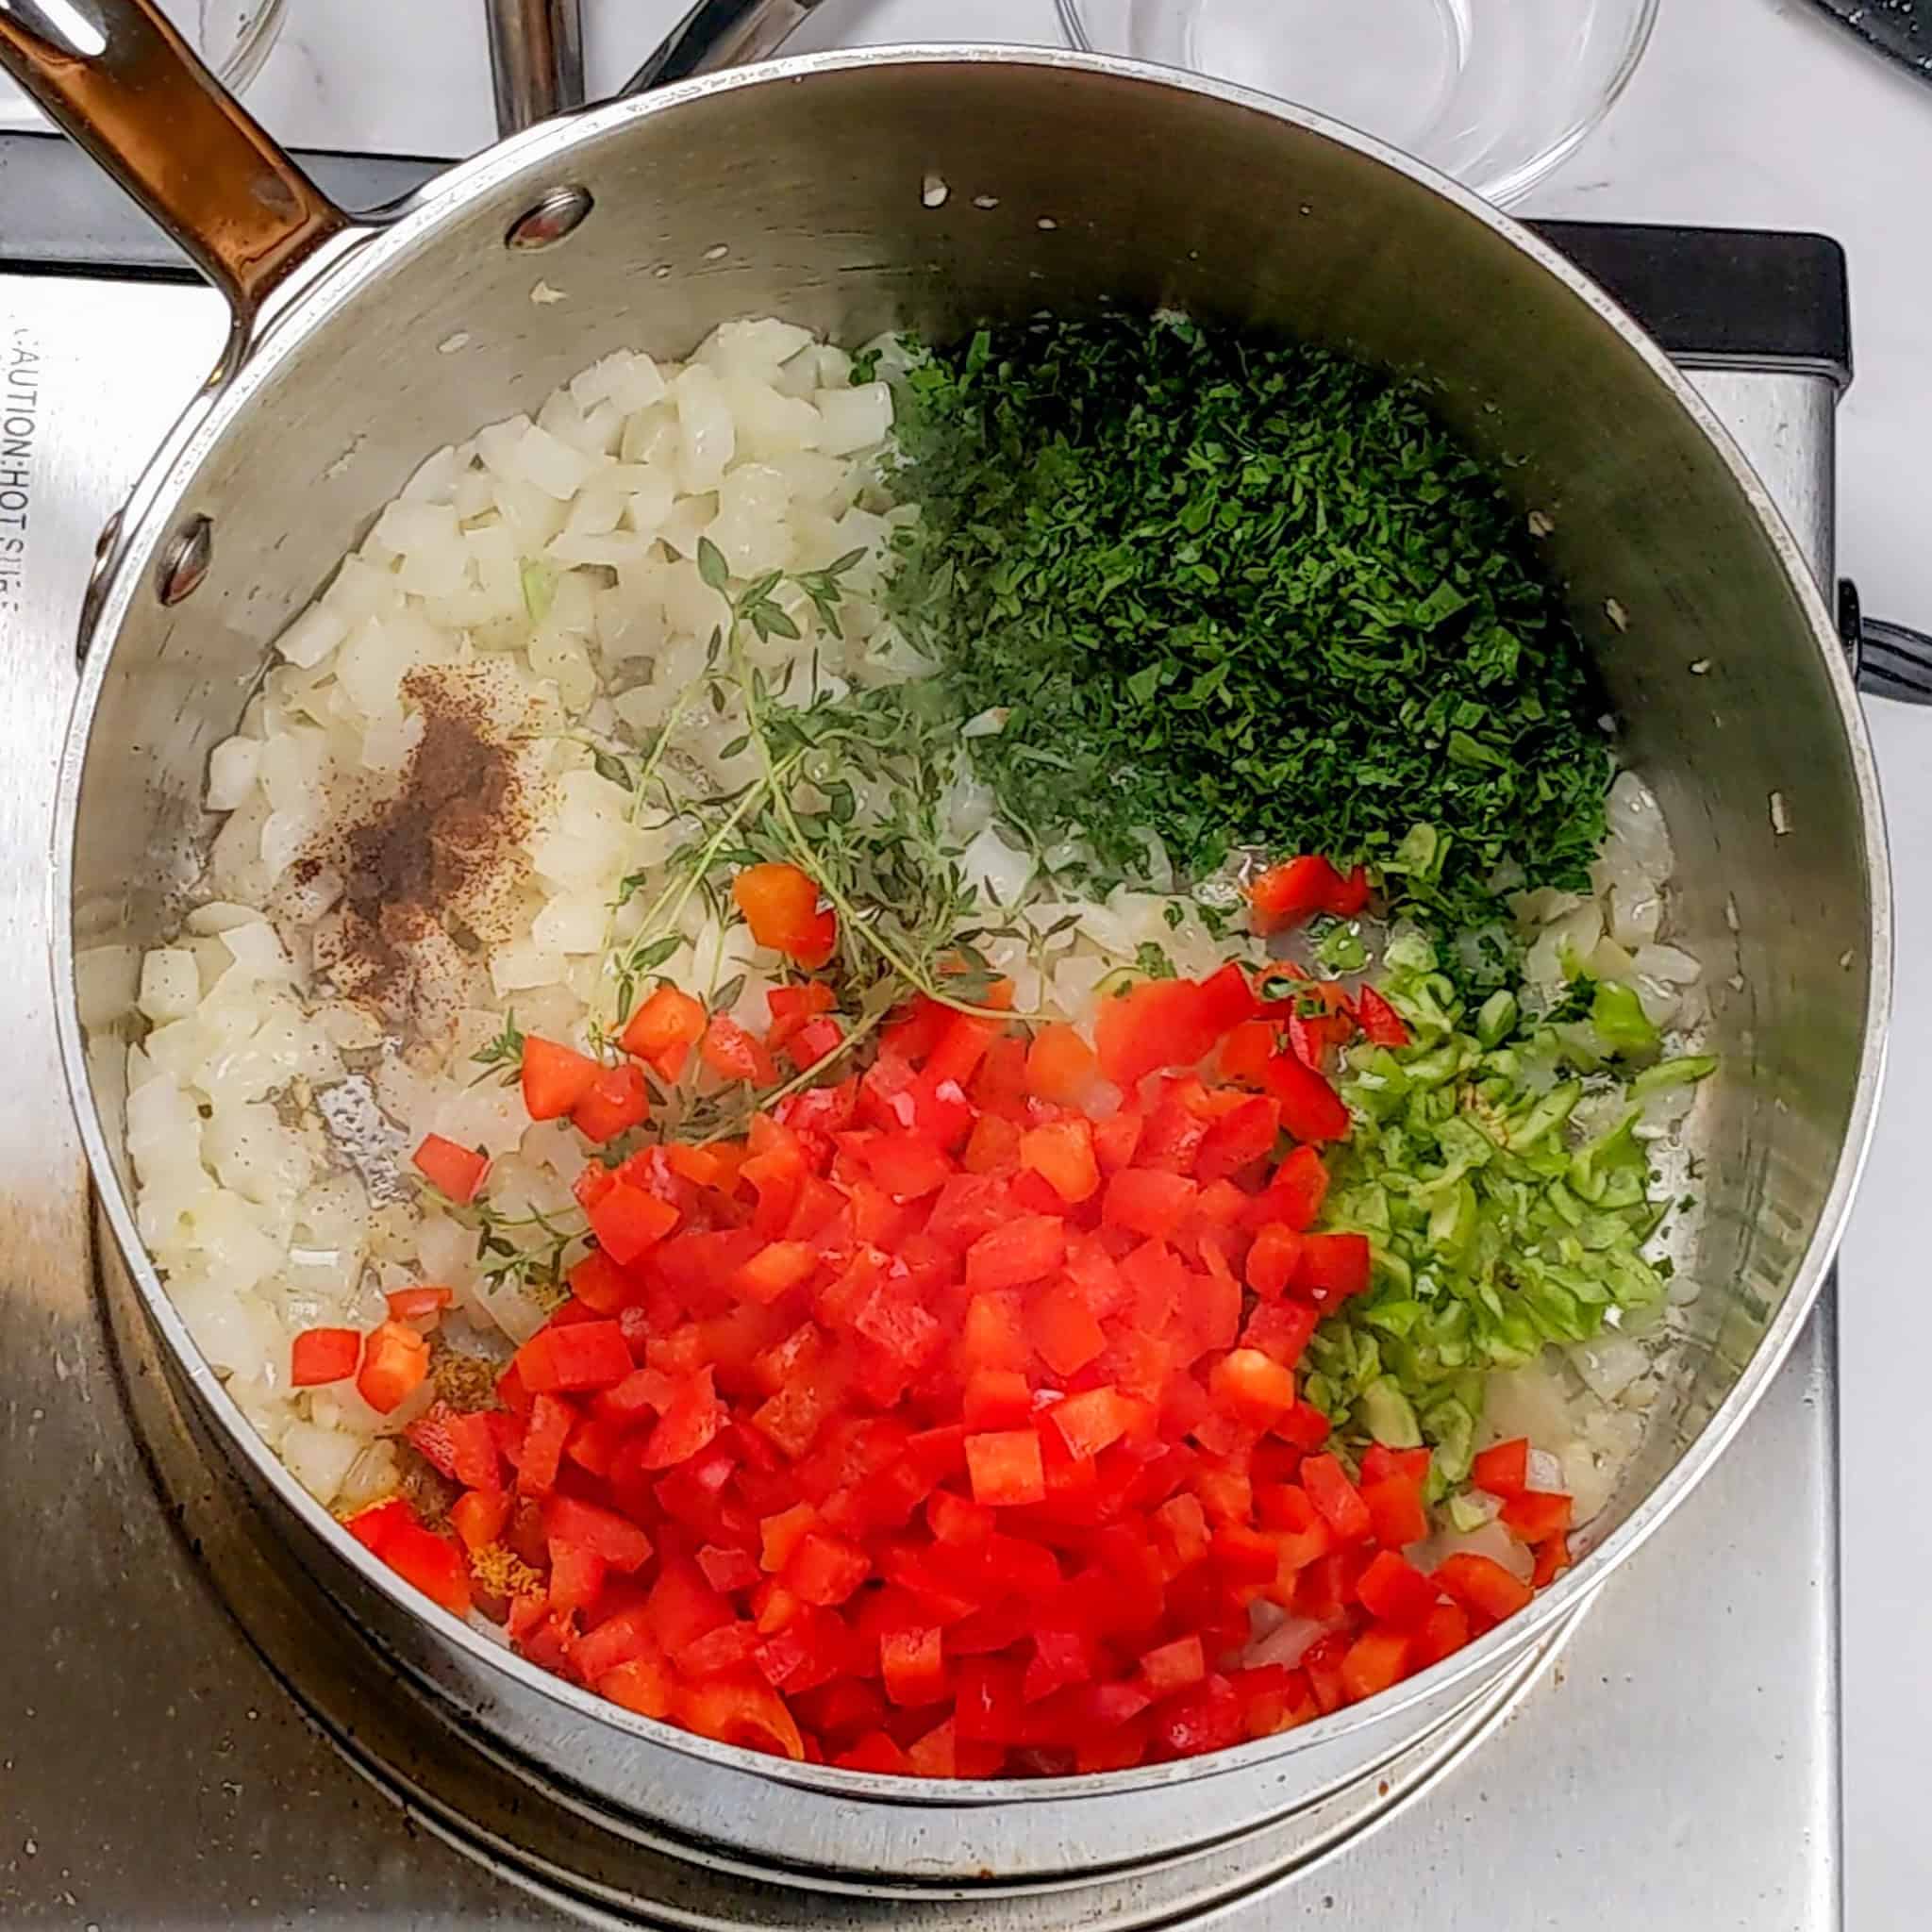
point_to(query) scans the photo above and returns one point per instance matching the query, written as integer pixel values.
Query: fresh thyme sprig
(536, 1265)
(502, 1057)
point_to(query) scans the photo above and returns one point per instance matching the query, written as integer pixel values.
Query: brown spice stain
(414, 863)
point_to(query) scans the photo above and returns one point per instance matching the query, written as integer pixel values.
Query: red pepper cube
(433, 1564)
(987, 1707)
(1059, 1657)
(579, 1356)
(1253, 1386)
(780, 904)
(1311, 1110)
(825, 1569)
(1379, 1461)
(601, 1286)
(733, 1054)
(997, 1399)
(1005, 1467)
(1245, 1556)
(1395, 1592)
(689, 1425)
(1065, 1335)
(1294, 1196)
(626, 1221)
(617, 1100)
(1395, 1511)
(816, 1041)
(780, 1534)
(453, 1170)
(396, 1362)
(1337, 1499)
(728, 1569)
(1174, 1666)
(1274, 1260)
(1288, 893)
(1374, 1660)
(1096, 1419)
(1382, 1025)
(1241, 1135)
(588, 1526)
(775, 1270)
(320, 1356)
(544, 1437)
(663, 1030)
(374, 1527)
(1482, 1586)
(1026, 1248)
(1440, 1634)
(1333, 1266)
(1208, 1717)
(1147, 1201)
(554, 1077)
(1060, 1066)
(1062, 1152)
(1503, 1469)
(912, 1667)
(1537, 1515)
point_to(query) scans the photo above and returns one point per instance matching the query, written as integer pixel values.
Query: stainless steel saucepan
(806, 189)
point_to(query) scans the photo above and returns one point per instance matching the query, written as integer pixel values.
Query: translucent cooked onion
(1637, 818)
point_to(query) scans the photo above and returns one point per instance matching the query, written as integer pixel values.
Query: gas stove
(189, 1732)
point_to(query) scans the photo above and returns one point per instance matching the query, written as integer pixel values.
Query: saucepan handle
(121, 81)
(536, 50)
(717, 34)
(1889, 661)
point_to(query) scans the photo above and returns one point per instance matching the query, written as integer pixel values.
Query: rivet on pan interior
(550, 220)
(185, 561)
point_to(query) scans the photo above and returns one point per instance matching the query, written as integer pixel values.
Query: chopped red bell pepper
(395, 1362)
(432, 1563)
(780, 904)
(1503, 1469)
(419, 1305)
(554, 1077)
(733, 1054)
(1005, 1467)
(1294, 891)
(584, 1355)
(626, 1221)
(1395, 1591)
(1536, 1515)
(453, 1170)
(1395, 1511)
(320, 1356)
(663, 1030)
(1378, 1659)
(1333, 1266)
(1337, 1499)
(1311, 1110)
(1382, 1025)
(1482, 1586)
(615, 1102)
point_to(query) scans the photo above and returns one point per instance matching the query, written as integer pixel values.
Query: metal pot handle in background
(537, 59)
(1889, 661)
(121, 81)
(717, 34)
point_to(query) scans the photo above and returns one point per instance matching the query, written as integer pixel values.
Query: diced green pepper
(1617, 1015)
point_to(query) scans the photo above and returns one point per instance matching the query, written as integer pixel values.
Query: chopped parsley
(1242, 593)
